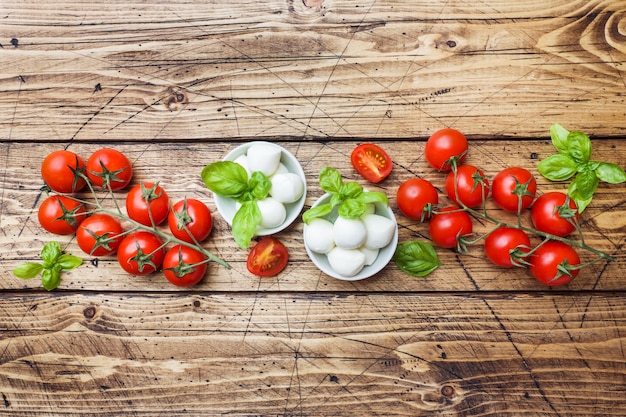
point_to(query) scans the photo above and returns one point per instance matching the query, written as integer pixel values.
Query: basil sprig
(229, 179)
(349, 197)
(574, 159)
(416, 258)
(54, 262)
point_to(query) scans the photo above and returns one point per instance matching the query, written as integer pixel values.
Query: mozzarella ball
(282, 169)
(263, 157)
(349, 233)
(318, 236)
(370, 208)
(273, 213)
(243, 161)
(370, 255)
(287, 187)
(380, 231)
(346, 262)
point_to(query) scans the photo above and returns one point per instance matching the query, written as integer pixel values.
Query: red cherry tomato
(371, 162)
(193, 215)
(545, 261)
(61, 215)
(555, 213)
(109, 167)
(60, 171)
(99, 235)
(443, 145)
(268, 257)
(140, 253)
(471, 186)
(505, 184)
(413, 195)
(447, 225)
(147, 203)
(184, 266)
(500, 243)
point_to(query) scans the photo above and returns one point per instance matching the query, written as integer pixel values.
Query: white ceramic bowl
(227, 207)
(384, 255)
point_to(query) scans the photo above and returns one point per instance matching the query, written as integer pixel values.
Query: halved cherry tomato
(268, 257)
(371, 162)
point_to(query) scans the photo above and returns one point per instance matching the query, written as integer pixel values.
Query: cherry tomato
(503, 242)
(443, 145)
(508, 182)
(371, 162)
(61, 215)
(547, 258)
(147, 203)
(413, 195)
(193, 215)
(109, 167)
(268, 257)
(447, 225)
(140, 253)
(184, 266)
(471, 185)
(99, 235)
(555, 213)
(60, 171)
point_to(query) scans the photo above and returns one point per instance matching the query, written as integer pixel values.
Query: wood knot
(307, 10)
(175, 100)
(89, 312)
(447, 391)
(312, 3)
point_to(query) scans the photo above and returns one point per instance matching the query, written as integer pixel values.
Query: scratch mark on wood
(98, 112)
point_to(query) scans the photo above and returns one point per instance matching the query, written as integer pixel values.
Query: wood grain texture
(371, 69)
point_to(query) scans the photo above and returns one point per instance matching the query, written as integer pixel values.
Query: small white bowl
(384, 255)
(227, 207)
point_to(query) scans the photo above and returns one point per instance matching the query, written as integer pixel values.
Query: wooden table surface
(176, 85)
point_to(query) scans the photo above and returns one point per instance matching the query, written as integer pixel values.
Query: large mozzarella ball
(346, 262)
(380, 231)
(273, 213)
(263, 157)
(287, 187)
(318, 236)
(370, 254)
(243, 161)
(349, 233)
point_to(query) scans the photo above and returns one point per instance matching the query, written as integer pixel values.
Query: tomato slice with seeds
(268, 257)
(371, 162)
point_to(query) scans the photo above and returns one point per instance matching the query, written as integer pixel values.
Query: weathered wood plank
(245, 69)
(283, 354)
(177, 166)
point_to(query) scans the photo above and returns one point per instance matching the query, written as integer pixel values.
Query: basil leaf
(28, 270)
(350, 190)
(259, 185)
(351, 209)
(416, 258)
(611, 173)
(67, 262)
(317, 211)
(582, 188)
(330, 180)
(579, 147)
(50, 253)
(50, 278)
(557, 167)
(245, 222)
(373, 197)
(559, 137)
(225, 178)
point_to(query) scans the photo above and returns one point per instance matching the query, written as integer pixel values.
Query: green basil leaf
(557, 167)
(416, 258)
(50, 278)
(330, 180)
(582, 188)
(559, 137)
(50, 253)
(317, 211)
(579, 147)
(67, 262)
(259, 185)
(373, 197)
(611, 173)
(350, 190)
(225, 178)
(245, 222)
(351, 208)
(28, 270)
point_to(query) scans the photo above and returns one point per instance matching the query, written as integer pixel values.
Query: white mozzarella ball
(349, 233)
(346, 262)
(370, 254)
(282, 169)
(243, 161)
(380, 231)
(286, 187)
(273, 213)
(263, 157)
(318, 235)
